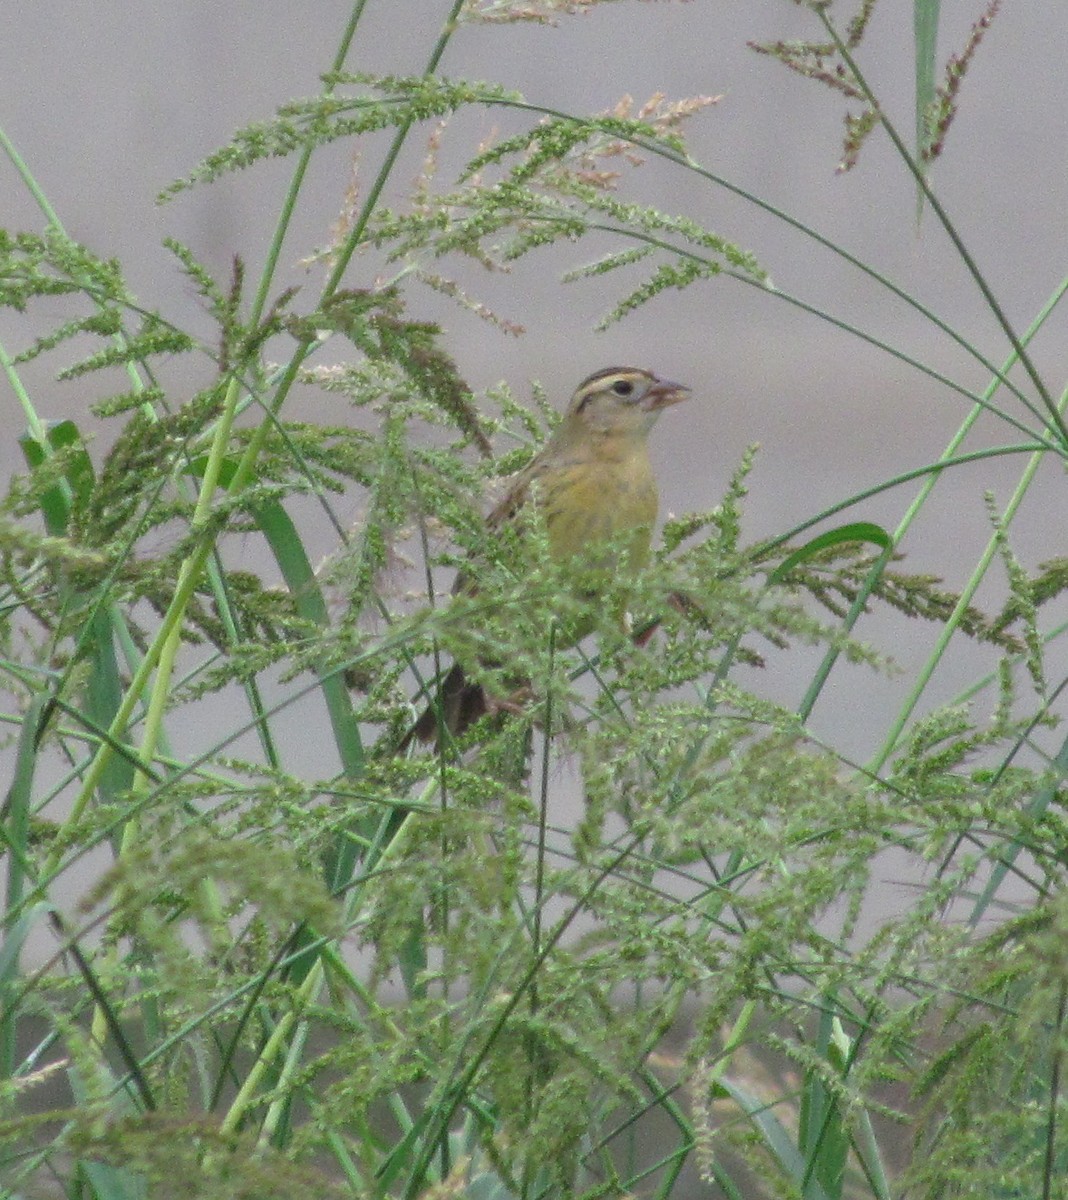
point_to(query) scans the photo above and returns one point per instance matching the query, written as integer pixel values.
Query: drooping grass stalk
(923, 676)
(859, 605)
(1054, 414)
(667, 154)
(933, 468)
(984, 401)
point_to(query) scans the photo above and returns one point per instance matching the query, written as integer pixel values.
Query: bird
(594, 490)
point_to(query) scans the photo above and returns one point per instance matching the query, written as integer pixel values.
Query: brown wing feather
(506, 509)
(519, 493)
(461, 702)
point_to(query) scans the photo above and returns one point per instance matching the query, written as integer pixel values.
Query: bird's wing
(516, 496)
(504, 512)
(543, 475)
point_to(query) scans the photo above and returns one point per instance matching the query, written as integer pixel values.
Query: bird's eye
(623, 387)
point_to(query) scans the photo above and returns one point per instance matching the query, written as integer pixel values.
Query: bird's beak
(663, 393)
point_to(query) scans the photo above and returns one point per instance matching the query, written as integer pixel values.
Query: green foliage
(307, 124)
(407, 974)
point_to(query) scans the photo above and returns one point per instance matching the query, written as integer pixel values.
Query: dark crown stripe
(609, 373)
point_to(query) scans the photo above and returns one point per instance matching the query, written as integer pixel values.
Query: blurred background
(107, 109)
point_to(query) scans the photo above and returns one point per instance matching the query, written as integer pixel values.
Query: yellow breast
(611, 505)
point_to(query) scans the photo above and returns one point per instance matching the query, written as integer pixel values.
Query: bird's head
(621, 401)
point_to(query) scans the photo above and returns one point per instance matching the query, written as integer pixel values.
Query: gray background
(108, 102)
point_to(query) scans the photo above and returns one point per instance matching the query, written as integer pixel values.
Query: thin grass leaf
(858, 531)
(821, 1130)
(112, 1183)
(64, 438)
(865, 1145)
(925, 18)
(288, 549)
(778, 1139)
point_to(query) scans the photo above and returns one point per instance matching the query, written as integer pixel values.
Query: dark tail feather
(459, 705)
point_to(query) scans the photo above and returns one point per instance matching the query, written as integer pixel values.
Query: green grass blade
(925, 14)
(112, 1183)
(777, 1138)
(16, 809)
(858, 531)
(16, 819)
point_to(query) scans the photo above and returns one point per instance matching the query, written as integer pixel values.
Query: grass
(407, 975)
